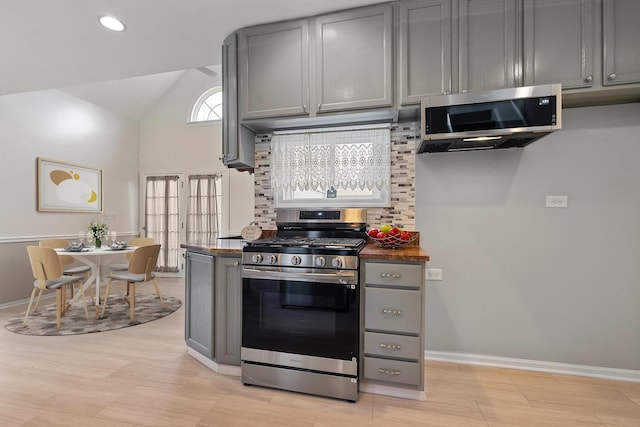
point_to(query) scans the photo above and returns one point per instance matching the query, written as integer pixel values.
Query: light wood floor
(143, 376)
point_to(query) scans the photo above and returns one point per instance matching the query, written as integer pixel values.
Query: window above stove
(333, 167)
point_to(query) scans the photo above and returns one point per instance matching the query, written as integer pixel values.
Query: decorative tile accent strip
(404, 137)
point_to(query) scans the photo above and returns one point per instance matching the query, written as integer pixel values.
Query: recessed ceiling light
(112, 23)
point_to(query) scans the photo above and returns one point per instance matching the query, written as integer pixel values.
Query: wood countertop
(404, 253)
(217, 246)
(410, 252)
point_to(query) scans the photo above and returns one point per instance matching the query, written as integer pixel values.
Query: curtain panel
(203, 207)
(162, 216)
(319, 160)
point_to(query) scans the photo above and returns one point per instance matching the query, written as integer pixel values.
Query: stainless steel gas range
(301, 299)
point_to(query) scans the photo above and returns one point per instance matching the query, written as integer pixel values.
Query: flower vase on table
(98, 230)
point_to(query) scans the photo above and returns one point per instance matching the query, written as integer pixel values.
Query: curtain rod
(334, 129)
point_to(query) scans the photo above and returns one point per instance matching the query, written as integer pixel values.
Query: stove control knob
(296, 260)
(336, 262)
(320, 261)
(257, 258)
(273, 259)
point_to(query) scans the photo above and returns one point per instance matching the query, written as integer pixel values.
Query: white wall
(525, 281)
(169, 145)
(57, 126)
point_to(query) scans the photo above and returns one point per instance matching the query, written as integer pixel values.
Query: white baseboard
(221, 369)
(534, 365)
(45, 297)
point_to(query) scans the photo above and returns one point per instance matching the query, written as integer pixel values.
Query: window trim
(198, 104)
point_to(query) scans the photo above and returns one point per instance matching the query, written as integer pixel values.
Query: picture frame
(67, 187)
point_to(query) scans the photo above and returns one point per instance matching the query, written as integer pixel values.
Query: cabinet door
(228, 310)
(488, 44)
(274, 69)
(199, 276)
(354, 59)
(621, 35)
(425, 49)
(550, 58)
(238, 143)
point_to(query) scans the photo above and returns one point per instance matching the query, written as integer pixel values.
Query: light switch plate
(557, 201)
(434, 274)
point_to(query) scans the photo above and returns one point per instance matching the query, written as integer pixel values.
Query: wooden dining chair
(47, 270)
(65, 260)
(136, 241)
(141, 265)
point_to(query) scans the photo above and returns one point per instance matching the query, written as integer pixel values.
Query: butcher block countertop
(404, 253)
(370, 251)
(217, 246)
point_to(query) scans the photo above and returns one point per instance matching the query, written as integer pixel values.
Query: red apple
(394, 231)
(405, 236)
(373, 232)
(381, 235)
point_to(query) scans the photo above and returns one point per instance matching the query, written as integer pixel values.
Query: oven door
(296, 311)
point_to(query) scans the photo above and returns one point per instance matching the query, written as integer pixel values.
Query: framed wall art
(65, 187)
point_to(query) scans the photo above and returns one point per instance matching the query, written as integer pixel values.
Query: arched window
(208, 107)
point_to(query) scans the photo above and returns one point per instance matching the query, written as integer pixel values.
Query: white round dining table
(96, 258)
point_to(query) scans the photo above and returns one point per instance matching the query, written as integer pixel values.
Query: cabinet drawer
(392, 345)
(393, 310)
(393, 371)
(402, 275)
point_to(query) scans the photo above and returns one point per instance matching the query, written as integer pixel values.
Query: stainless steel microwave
(501, 118)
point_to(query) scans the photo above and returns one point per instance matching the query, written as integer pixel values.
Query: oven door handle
(340, 277)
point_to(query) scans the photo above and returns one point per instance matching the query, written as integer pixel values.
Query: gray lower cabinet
(488, 45)
(621, 34)
(354, 59)
(568, 59)
(228, 309)
(238, 142)
(274, 69)
(213, 308)
(424, 64)
(393, 320)
(199, 285)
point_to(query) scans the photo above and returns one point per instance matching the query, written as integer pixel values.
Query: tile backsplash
(404, 137)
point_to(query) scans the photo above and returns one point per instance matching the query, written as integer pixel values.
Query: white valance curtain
(319, 160)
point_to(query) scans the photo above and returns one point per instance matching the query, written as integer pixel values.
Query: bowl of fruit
(388, 236)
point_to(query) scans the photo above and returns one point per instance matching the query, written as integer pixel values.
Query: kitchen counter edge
(370, 251)
(222, 246)
(404, 253)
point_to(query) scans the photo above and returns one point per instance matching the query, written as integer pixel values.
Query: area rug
(74, 322)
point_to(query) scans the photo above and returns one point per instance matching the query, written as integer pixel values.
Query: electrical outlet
(557, 201)
(434, 274)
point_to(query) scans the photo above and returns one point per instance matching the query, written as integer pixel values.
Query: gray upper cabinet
(488, 45)
(274, 70)
(354, 57)
(550, 58)
(621, 36)
(228, 297)
(238, 143)
(424, 50)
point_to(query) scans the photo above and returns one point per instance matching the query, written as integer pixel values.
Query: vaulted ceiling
(46, 44)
